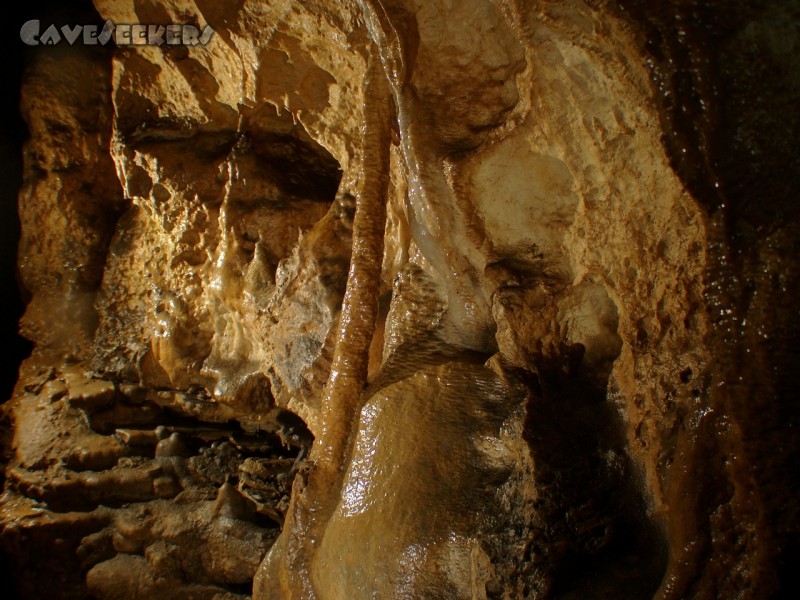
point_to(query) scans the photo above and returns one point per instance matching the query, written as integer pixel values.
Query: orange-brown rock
(402, 299)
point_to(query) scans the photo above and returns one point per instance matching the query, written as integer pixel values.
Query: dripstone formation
(480, 299)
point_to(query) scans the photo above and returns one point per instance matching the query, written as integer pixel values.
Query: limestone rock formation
(411, 299)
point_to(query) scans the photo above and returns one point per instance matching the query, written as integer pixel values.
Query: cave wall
(487, 299)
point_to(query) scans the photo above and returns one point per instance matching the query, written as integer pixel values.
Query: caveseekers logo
(123, 35)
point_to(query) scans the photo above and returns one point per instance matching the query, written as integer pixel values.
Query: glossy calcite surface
(409, 300)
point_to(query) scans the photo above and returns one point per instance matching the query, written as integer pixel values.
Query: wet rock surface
(400, 299)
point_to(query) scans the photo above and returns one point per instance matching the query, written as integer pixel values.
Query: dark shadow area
(729, 87)
(14, 348)
(13, 133)
(594, 538)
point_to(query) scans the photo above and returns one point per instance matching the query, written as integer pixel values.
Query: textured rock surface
(480, 299)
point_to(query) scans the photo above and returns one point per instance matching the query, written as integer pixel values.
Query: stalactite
(317, 491)
(434, 215)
